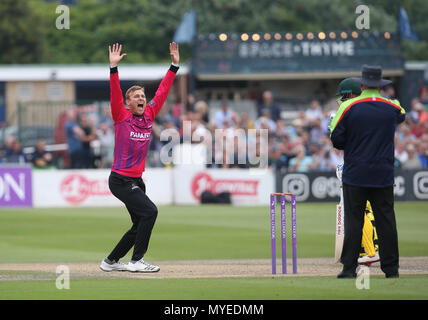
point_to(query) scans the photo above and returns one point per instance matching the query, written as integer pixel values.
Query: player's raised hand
(173, 51)
(114, 54)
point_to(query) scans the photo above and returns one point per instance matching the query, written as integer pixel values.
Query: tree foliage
(28, 33)
(20, 31)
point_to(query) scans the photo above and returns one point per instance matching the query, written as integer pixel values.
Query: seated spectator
(422, 150)
(8, 142)
(281, 128)
(316, 131)
(15, 154)
(199, 129)
(183, 121)
(235, 120)
(165, 111)
(335, 157)
(105, 136)
(304, 139)
(167, 122)
(401, 153)
(244, 122)
(201, 108)
(416, 130)
(423, 95)
(178, 110)
(413, 162)
(41, 158)
(301, 162)
(106, 116)
(299, 128)
(301, 117)
(274, 152)
(314, 112)
(284, 156)
(319, 158)
(280, 153)
(223, 115)
(425, 132)
(418, 113)
(403, 132)
(190, 102)
(265, 122)
(268, 105)
(325, 121)
(153, 156)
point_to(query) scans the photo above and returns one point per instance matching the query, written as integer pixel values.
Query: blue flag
(406, 30)
(187, 28)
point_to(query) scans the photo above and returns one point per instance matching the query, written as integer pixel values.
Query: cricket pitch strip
(199, 269)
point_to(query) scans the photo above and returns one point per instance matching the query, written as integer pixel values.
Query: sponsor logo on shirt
(140, 136)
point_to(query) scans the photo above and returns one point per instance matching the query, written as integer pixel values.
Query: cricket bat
(340, 234)
(340, 220)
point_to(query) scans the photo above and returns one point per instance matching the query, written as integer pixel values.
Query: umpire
(364, 128)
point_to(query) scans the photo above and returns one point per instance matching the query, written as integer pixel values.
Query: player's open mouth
(141, 105)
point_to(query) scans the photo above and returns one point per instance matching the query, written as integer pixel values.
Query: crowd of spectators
(302, 145)
(13, 153)
(411, 139)
(89, 145)
(299, 145)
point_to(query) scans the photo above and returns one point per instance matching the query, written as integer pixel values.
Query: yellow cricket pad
(368, 231)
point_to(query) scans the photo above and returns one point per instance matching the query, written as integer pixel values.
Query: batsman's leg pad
(367, 238)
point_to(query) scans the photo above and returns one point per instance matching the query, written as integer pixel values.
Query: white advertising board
(89, 188)
(247, 187)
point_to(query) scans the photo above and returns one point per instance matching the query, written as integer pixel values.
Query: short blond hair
(131, 90)
(201, 106)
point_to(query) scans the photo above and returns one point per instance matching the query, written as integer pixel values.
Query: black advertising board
(324, 186)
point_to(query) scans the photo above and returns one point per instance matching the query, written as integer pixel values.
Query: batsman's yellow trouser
(369, 239)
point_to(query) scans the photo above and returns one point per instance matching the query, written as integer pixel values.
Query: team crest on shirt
(140, 136)
(151, 103)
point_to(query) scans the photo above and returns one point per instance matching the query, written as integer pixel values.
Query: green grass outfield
(408, 287)
(191, 233)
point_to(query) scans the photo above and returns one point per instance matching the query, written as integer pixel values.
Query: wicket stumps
(283, 231)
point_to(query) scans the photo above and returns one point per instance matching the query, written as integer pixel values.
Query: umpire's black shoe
(391, 275)
(346, 275)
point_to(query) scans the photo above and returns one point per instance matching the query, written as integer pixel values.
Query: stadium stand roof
(84, 72)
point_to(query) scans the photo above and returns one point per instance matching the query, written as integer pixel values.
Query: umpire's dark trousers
(382, 202)
(132, 192)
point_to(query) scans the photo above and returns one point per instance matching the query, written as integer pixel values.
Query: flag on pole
(187, 28)
(406, 30)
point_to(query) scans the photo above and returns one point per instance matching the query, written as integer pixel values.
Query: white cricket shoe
(142, 266)
(115, 266)
(367, 260)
